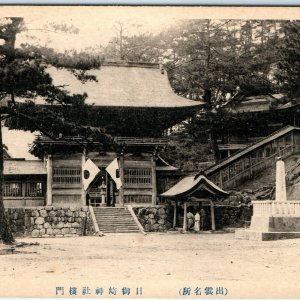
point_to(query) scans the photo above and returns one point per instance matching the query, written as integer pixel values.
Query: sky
(95, 28)
(18, 142)
(96, 23)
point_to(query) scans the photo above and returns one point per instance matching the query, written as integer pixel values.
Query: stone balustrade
(276, 208)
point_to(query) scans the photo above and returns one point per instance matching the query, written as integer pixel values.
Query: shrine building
(136, 105)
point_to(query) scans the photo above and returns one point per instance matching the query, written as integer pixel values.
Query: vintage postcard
(149, 152)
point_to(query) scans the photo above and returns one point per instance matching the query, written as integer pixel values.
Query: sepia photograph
(149, 152)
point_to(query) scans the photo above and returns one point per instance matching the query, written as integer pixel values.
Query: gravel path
(161, 264)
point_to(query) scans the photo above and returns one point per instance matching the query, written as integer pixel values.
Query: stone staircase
(115, 220)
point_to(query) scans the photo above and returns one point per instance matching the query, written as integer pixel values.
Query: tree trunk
(5, 231)
(214, 144)
(207, 97)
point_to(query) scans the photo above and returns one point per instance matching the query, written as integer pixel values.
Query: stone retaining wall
(229, 216)
(49, 221)
(160, 218)
(156, 218)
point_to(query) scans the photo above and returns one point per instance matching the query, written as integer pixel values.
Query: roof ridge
(137, 64)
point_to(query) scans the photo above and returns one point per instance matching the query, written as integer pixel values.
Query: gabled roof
(124, 85)
(190, 184)
(162, 165)
(262, 103)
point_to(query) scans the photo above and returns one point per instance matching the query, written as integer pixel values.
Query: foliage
(218, 62)
(288, 72)
(24, 78)
(186, 153)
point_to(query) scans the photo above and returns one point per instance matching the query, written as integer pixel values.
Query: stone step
(123, 215)
(109, 209)
(118, 231)
(113, 215)
(123, 223)
(116, 224)
(115, 220)
(117, 228)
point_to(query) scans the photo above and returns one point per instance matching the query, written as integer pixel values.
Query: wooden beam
(121, 191)
(212, 215)
(184, 217)
(49, 181)
(83, 192)
(154, 185)
(107, 179)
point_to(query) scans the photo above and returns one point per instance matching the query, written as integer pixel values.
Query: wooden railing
(260, 165)
(272, 207)
(254, 166)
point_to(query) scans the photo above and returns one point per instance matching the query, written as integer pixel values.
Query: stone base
(248, 234)
(275, 223)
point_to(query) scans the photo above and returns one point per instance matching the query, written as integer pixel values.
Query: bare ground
(161, 264)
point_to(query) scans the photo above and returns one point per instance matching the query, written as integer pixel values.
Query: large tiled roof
(124, 85)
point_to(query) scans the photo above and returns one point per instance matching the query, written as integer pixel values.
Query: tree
(288, 72)
(220, 62)
(23, 75)
(138, 46)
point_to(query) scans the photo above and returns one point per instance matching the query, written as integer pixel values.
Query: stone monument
(274, 219)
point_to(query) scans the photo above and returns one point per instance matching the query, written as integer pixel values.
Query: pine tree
(23, 75)
(288, 73)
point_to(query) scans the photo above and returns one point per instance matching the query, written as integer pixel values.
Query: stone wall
(49, 221)
(229, 216)
(155, 218)
(160, 218)
(225, 215)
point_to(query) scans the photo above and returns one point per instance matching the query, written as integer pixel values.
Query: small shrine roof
(190, 184)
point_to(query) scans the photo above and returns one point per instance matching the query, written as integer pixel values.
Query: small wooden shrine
(193, 190)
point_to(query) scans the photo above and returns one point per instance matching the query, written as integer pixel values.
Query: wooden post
(184, 217)
(107, 183)
(154, 186)
(212, 215)
(175, 214)
(49, 181)
(121, 190)
(250, 164)
(83, 192)
(220, 179)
